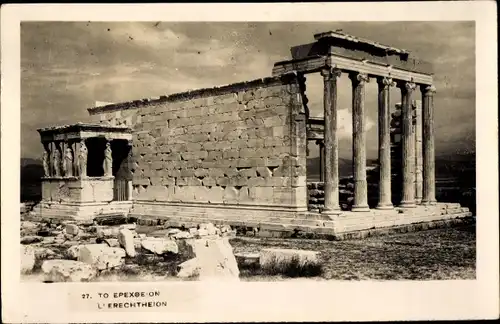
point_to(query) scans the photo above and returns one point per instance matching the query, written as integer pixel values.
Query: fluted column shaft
(384, 143)
(418, 151)
(331, 174)
(429, 180)
(321, 145)
(359, 141)
(408, 146)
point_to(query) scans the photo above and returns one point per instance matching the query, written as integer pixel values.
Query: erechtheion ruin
(237, 154)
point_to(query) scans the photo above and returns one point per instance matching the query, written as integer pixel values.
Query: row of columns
(59, 159)
(331, 176)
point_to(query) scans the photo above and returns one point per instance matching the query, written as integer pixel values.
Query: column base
(408, 204)
(332, 214)
(428, 202)
(385, 206)
(418, 201)
(360, 208)
(335, 211)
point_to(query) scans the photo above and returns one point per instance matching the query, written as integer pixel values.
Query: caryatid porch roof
(350, 53)
(83, 131)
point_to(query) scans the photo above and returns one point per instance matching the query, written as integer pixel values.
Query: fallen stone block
(126, 239)
(201, 232)
(73, 252)
(159, 245)
(209, 228)
(31, 239)
(43, 253)
(188, 269)
(72, 229)
(29, 226)
(27, 258)
(112, 242)
(291, 262)
(48, 241)
(103, 232)
(172, 231)
(67, 271)
(101, 256)
(182, 235)
(215, 258)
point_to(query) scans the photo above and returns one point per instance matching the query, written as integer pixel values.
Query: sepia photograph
(243, 152)
(250, 151)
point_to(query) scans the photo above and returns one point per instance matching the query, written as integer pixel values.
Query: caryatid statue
(68, 162)
(46, 162)
(108, 161)
(82, 159)
(57, 161)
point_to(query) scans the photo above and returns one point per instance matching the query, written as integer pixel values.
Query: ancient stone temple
(237, 154)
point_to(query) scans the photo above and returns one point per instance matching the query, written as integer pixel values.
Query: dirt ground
(439, 254)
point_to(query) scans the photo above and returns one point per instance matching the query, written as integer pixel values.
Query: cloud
(67, 66)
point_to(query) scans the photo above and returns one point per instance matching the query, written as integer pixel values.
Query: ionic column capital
(407, 86)
(359, 78)
(329, 73)
(410, 86)
(428, 90)
(386, 82)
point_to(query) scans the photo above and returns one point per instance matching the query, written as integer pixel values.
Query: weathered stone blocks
(67, 271)
(217, 146)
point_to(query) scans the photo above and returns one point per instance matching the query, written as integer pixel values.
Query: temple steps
(177, 216)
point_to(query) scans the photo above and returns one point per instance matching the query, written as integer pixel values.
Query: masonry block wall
(241, 144)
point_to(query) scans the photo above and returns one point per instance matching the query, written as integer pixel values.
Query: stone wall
(98, 189)
(240, 144)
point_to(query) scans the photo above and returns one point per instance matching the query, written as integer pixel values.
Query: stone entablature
(83, 131)
(351, 54)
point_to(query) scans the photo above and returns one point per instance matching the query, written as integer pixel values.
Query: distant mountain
(31, 173)
(345, 167)
(447, 166)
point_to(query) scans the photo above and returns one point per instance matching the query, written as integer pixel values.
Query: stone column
(418, 150)
(429, 183)
(68, 159)
(57, 160)
(331, 174)
(46, 159)
(359, 141)
(108, 160)
(82, 159)
(384, 143)
(321, 145)
(408, 146)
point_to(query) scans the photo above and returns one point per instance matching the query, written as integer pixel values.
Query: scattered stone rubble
(70, 251)
(75, 252)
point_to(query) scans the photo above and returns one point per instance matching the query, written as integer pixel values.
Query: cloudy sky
(67, 67)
